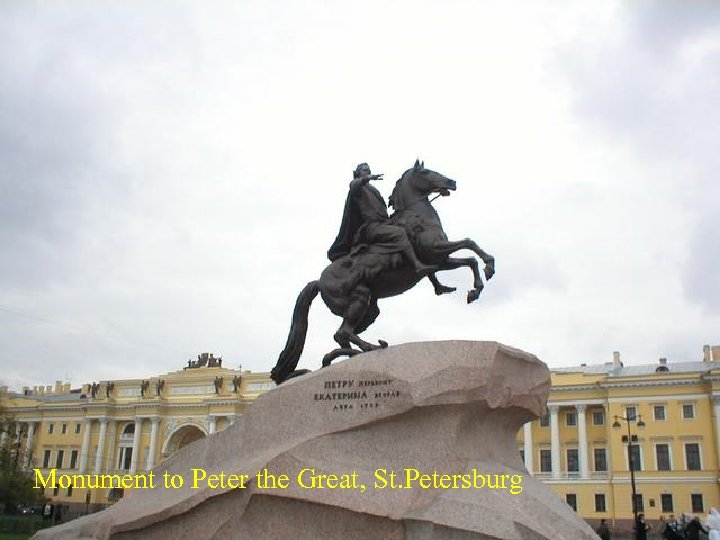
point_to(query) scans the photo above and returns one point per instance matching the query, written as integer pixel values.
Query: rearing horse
(352, 284)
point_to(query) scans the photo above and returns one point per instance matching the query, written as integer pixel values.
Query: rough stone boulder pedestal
(443, 416)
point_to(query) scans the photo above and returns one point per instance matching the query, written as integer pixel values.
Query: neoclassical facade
(576, 450)
(131, 425)
(125, 426)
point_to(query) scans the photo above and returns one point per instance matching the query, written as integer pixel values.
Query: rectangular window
(63, 430)
(56, 491)
(666, 502)
(640, 504)
(522, 455)
(46, 459)
(631, 413)
(545, 420)
(600, 502)
(572, 460)
(545, 461)
(77, 429)
(688, 411)
(73, 459)
(662, 457)
(600, 460)
(598, 418)
(692, 456)
(659, 411)
(696, 501)
(59, 459)
(570, 419)
(69, 491)
(635, 457)
(571, 499)
(51, 428)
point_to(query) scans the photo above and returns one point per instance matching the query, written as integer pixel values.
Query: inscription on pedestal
(350, 394)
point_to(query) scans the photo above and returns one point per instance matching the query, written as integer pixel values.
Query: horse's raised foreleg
(447, 247)
(456, 262)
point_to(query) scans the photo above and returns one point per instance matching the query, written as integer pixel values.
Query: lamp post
(629, 439)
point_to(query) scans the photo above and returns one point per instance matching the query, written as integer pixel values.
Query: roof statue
(376, 255)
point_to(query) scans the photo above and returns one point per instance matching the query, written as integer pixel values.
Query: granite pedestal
(417, 442)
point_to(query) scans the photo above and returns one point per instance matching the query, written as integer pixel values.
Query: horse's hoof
(297, 373)
(383, 344)
(489, 272)
(473, 295)
(335, 353)
(442, 289)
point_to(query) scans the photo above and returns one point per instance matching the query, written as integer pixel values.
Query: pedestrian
(641, 528)
(48, 511)
(670, 532)
(713, 524)
(603, 530)
(692, 531)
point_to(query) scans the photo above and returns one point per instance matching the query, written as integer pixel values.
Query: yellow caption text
(407, 478)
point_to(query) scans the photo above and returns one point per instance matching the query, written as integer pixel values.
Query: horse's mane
(395, 196)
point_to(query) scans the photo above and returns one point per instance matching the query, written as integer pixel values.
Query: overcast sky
(172, 174)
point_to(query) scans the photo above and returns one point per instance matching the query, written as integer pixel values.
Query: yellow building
(576, 450)
(123, 426)
(129, 426)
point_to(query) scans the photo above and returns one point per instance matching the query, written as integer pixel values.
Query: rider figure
(365, 222)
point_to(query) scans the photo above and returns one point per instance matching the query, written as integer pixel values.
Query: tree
(16, 484)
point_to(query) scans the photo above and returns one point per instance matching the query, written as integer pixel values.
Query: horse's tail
(288, 359)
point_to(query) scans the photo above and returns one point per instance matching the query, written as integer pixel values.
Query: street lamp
(629, 440)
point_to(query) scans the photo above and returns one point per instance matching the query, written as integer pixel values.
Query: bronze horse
(352, 284)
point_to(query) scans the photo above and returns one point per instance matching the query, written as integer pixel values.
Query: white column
(153, 443)
(101, 446)
(582, 441)
(136, 445)
(30, 444)
(3, 436)
(527, 439)
(608, 453)
(17, 441)
(211, 425)
(554, 440)
(716, 406)
(112, 435)
(84, 449)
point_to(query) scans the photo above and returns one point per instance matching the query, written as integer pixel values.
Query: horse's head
(416, 184)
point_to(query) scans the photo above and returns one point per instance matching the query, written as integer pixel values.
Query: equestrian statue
(378, 256)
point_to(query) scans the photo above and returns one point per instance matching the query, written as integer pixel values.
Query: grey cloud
(639, 87)
(152, 156)
(650, 92)
(701, 273)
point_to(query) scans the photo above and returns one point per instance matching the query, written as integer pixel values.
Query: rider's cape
(351, 222)
(364, 209)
